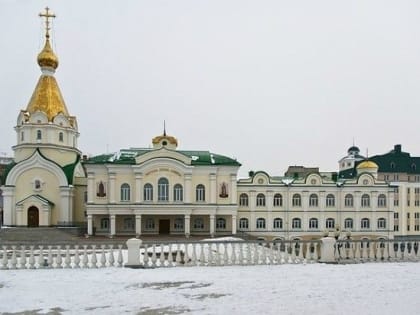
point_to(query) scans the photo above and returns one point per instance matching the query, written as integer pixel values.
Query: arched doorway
(33, 217)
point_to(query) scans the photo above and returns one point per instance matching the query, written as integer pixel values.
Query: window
(60, 137)
(85, 196)
(101, 192)
(396, 197)
(348, 223)
(179, 224)
(38, 135)
(348, 200)
(277, 224)
(396, 215)
(220, 224)
(330, 223)
(296, 200)
(381, 201)
(313, 200)
(243, 200)
(125, 192)
(163, 189)
(260, 200)
(22, 136)
(243, 223)
(278, 200)
(37, 184)
(408, 197)
(365, 201)
(150, 224)
(200, 193)
(330, 200)
(178, 193)
(128, 224)
(417, 197)
(416, 215)
(260, 223)
(313, 223)
(296, 223)
(148, 192)
(198, 224)
(105, 224)
(381, 223)
(365, 224)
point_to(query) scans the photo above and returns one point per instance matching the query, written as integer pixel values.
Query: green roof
(128, 156)
(397, 161)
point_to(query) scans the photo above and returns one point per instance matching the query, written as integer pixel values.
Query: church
(163, 190)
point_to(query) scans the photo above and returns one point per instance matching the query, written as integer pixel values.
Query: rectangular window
(408, 228)
(396, 228)
(416, 197)
(416, 227)
(408, 197)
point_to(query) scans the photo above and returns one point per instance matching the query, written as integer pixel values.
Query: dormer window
(413, 167)
(38, 135)
(392, 165)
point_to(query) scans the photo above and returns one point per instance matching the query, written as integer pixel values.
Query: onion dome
(367, 165)
(47, 58)
(353, 149)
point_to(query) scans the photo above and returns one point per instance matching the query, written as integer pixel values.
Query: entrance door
(33, 217)
(164, 226)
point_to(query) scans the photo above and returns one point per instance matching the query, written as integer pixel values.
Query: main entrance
(33, 217)
(164, 226)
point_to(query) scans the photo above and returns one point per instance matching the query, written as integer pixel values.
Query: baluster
(111, 259)
(41, 257)
(4, 260)
(248, 253)
(170, 256)
(280, 256)
(290, 253)
(85, 259)
(233, 255)
(263, 251)
(13, 263)
(416, 250)
(162, 256)
(31, 257)
(201, 259)
(50, 260)
(218, 255)
(67, 259)
(58, 259)
(76, 257)
(178, 255)
(103, 257)
(194, 255)
(186, 255)
(154, 257)
(239, 254)
(146, 256)
(22, 258)
(120, 256)
(93, 259)
(271, 256)
(210, 254)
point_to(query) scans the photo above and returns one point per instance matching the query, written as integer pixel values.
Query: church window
(198, 224)
(313, 200)
(330, 200)
(150, 224)
(260, 223)
(243, 224)
(278, 200)
(38, 135)
(148, 192)
(125, 192)
(60, 137)
(178, 193)
(221, 224)
(260, 200)
(179, 224)
(313, 223)
(381, 201)
(348, 200)
(277, 224)
(365, 201)
(163, 189)
(243, 200)
(296, 200)
(105, 224)
(200, 193)
(128, 224)
(101, 192)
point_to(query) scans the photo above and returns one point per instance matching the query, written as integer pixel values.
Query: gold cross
(47, 15)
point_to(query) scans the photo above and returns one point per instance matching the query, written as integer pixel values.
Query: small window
(22, 136)
(220, 224)
(381, 223)
(178, 224)
(365, 201)
(260, 223)
(37, 184)
(163, 189)
(296, 223)
(330, 223)
(277, 224)
(150, 224)
(278, 200)
(365, 224)
(125, 192)
(200, 193)
(178, 193)
(243, 200)
(260, 200)
(348, 200)
(243, 224)
(148, 192)
(198, 224)
(313, 200)
(330, 200)
(60, 137)
(381, 201)
(128, 224)
(105, 224)
(38, 135)
(348, 223)
(313, 224)
(296, 200)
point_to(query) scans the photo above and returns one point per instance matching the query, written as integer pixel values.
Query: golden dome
(169, 139)
(47, 58)
(367, 164)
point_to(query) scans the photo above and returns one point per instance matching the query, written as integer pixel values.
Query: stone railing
(59, 256)
(220, 253)
(376, 250)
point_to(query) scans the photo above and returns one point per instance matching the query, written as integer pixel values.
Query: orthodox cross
(47, 14)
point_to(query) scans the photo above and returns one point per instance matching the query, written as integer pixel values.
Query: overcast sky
(271, 83)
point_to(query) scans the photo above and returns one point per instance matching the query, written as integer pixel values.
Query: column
(138, 225)
(269, 206)
(233, 190)
(233, 224)
(138, 188)
(91, 187)
(9, 217)
(213, 188)
(187, 225)
(187, 188)
(90, 224)
(112, 187)
(212, 224)
(112, 222)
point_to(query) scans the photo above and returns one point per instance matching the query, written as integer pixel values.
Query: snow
(371, 288)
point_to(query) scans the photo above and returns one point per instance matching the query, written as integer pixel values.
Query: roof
(128, 156)
(397, 161)
(367, 164)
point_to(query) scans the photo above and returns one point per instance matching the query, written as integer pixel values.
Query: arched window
(365, 200)
(278, 224)
(329, 223)
(178, 193)
(179, 224)
(163, 189)
(313, 223)
(381, 223)
(38, 135)
(278, 200)
(313, 200)
(381, 201)
(348, 223)
(60, 137)
(125, 192)
(365, 224)
(128, 224)
(348, 200)
(220, 224)
(198, 224)
(330, 200)
(104, 223)
(148, 192)
(101, 192)
(296, 223)
(243, 200)
(260, 223)
(260, 200)
(149, 224)
(243, 224)
(200, 193)
(296, 200)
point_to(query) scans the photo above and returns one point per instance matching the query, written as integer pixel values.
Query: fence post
(133, 254)
(327, 250)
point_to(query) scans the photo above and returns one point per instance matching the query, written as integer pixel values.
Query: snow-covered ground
(371, 288)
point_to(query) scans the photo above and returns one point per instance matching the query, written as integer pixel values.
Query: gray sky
(271, 83)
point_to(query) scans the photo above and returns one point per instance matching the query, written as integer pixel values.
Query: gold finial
(47, 15)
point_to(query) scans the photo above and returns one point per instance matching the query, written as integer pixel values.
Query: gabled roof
(36, 196)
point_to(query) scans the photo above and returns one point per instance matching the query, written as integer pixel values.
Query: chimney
(397, 148)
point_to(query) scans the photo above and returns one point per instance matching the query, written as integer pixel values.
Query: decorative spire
(47, 60)
(164, 128)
